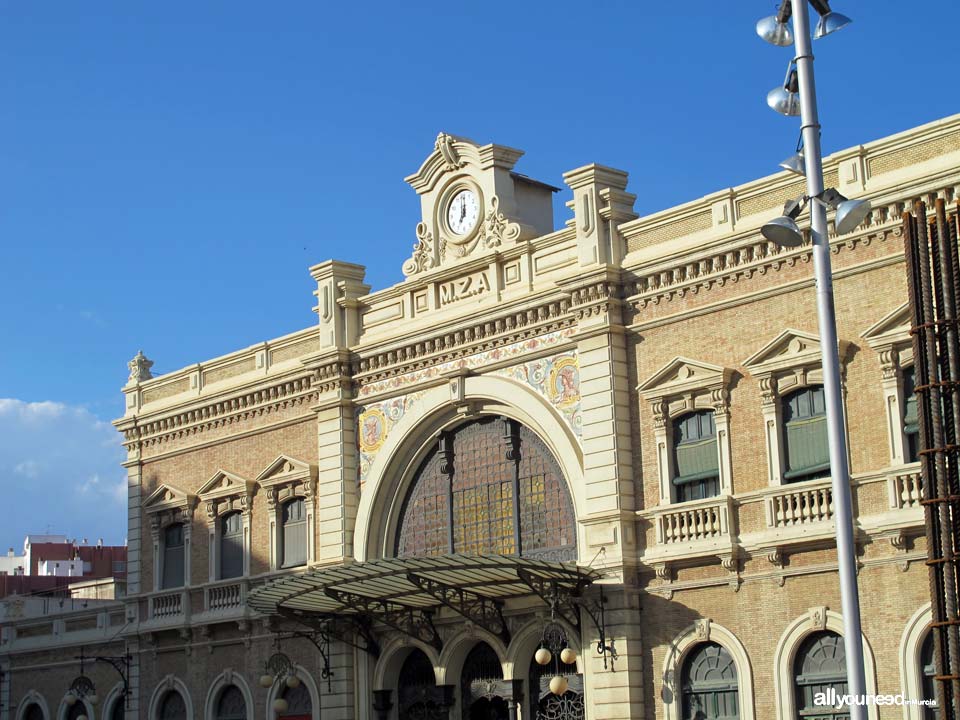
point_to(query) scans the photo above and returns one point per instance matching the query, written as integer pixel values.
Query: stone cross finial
(139, 368)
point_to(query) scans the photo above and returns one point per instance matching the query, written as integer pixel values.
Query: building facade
(607, 437)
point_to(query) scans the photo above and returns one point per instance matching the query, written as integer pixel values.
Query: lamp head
(850, 214)
(830, 23)
(786, 99)
(783, 231)
(775, 32)
(795, 164)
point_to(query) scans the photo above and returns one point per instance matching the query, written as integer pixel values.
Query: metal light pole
(830, 358)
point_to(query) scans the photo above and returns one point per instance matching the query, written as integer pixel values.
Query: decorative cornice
(289, 393)
(484, 335)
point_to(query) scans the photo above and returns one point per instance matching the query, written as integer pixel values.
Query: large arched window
(696, 461)
(489, 486)
(820, 665)
(118, 711)
(33, 712)
(172, 707)
(231, 704)
(174, 557)
(231, 545)
(76, 711)
(299, 704)
(294, 533)
(805, 446)
(928, 673)
(709, 684)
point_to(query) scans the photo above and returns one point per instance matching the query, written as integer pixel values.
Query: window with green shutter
(911, 424)
(173, 557)
(709, 684)
(294, 533)
(819, 666)
(805, 445)
(231, 546)
(695, 459)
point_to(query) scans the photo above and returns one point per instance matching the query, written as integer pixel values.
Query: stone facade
(597, 337)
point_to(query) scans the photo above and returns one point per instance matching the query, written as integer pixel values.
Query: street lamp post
(785, 232)
(830, 359)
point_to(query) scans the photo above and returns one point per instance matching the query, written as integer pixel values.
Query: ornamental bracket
(416, 623)
(482, 611)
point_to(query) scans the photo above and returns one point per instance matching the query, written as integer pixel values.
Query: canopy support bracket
(414, 622)
(484, 612)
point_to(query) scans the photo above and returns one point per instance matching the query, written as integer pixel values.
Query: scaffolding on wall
(933, 277)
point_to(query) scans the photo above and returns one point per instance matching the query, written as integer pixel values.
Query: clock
(463, 212)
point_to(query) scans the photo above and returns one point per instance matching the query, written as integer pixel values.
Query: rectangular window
(231, 546)
(173, 557)
(119, 567)
(294, 534)
(806, 448)
(696, 461)
(911, 423)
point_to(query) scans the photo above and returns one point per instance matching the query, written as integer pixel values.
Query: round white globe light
(293, 682)
(93, 699)
(542, 656)
(568, 656)
(70, 699)
(266, 681)
(280, 705)
(558, 685)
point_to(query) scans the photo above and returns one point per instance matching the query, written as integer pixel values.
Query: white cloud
(27, 468)
(60, 468)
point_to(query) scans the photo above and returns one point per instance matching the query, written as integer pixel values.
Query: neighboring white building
(12, 564)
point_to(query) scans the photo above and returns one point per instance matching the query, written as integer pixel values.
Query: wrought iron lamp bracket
(82, 686)
(595, 610)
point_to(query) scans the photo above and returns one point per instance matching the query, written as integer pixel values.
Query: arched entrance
(483, 692)
(417, 692)
(542, 703)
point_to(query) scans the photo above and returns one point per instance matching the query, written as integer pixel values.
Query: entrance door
(482, 689)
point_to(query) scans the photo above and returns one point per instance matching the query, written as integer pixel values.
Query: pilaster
(600, 203)
(605, 413)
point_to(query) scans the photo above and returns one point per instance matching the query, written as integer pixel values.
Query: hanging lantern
(558, 685)
(568, 656)
(293, 682)
(280, 705)
(542, 656)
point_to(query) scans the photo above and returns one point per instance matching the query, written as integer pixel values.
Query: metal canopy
(403, 592)
(394, 583)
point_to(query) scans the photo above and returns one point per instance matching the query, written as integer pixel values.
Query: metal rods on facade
(933, 277)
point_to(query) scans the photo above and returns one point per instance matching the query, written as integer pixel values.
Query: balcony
(225, 600)
(691, 529)
(800, 509)
(168, 608)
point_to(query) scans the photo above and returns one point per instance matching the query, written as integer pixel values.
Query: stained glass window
(489, 486)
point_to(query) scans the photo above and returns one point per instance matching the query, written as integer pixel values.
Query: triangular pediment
(284, 469)
(166, 497)
(225, 484)
(892, 328)
(790, 349)
(682, 374)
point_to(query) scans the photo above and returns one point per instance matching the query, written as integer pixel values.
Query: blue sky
(168, 171)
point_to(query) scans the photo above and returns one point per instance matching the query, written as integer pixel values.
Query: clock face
(463, 212)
